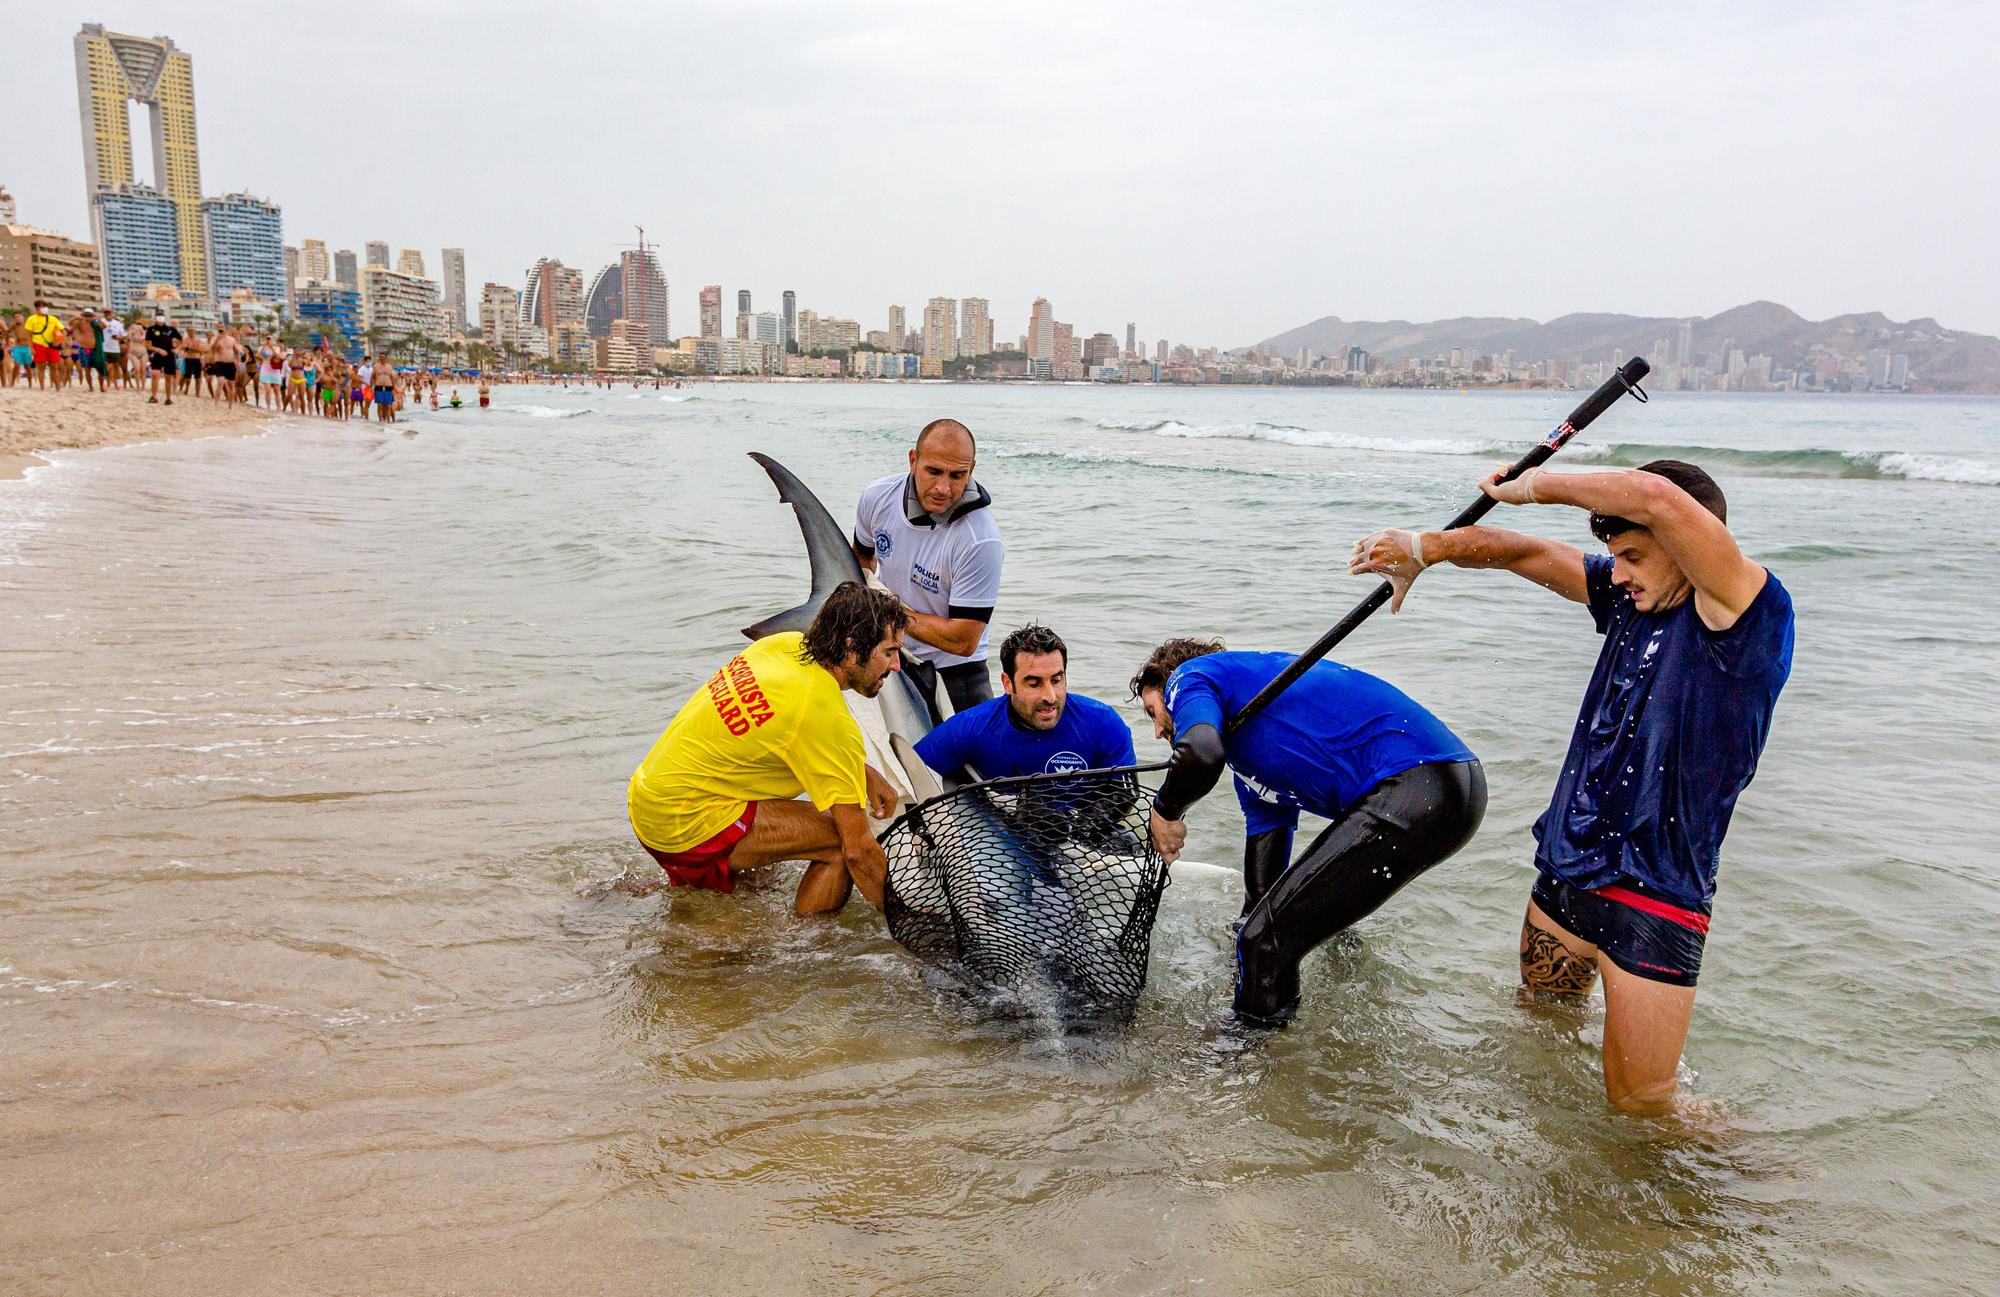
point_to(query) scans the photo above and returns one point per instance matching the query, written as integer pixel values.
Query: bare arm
(1725, 582)
(1548, 563)
(959, 635)
(863, 554)
(860, 853)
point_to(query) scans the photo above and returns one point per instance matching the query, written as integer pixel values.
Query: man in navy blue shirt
(1402, 791)
(1697, 645)
(1037, 726)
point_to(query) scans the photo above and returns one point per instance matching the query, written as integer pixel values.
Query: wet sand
(32, 420)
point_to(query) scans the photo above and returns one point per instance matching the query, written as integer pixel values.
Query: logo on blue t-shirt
(1065, 763)
(883, 544)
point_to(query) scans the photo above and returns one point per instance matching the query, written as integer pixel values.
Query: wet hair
(939, 425)
(1688, 477)
(1167, 659)
(1031, 638)
(853, 620)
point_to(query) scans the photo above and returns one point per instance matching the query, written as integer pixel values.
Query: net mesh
(1045, 886)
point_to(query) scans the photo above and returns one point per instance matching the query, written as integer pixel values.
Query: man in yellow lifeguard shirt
(716, 792)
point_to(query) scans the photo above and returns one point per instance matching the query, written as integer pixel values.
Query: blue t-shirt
(1668, 735)
(1089, 736)
(1327, 740)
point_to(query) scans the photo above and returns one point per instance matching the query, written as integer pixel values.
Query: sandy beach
(77, 419)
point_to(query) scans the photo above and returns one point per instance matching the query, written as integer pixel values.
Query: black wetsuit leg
(1400, 827)
(1264, 859)
(967, 685)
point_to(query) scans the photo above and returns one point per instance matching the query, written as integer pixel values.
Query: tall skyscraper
(139, 236)
(743, 314)
(646, 302)
(246, 247)
(975, 327)
(1160, 351)
(940, 329)
(113, 70)
(1041, 330)
(1686, 354)
(409, 261)
(454, 287)
(552, 296)
(500, 319)
(1131, 338)
(377, 253)
(291, 278)
(346, 270)
(711, 311)
(791, 319)
(313, 261)
(896, 330)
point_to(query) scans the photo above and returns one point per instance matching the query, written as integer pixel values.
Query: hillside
(1941, 360)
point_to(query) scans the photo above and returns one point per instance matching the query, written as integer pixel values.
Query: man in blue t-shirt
(1037, 726)
(1697, 645)
(1402, 791)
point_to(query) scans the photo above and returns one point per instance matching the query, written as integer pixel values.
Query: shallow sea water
(305, 738)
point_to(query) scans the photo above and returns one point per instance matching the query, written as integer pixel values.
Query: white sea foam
(1930, 468)
(1315, 438)
(544, 411)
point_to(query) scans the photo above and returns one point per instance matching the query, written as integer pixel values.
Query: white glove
(1394, 553)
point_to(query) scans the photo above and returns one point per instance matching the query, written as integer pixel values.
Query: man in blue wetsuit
(1402, 791)
(1697, 646)
(1037, 726)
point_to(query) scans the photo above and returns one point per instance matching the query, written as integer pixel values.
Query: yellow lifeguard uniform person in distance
(716, 792)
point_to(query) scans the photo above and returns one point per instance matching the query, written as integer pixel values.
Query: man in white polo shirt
(930, 537)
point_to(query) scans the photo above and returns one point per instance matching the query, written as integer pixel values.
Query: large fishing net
(1044, 887)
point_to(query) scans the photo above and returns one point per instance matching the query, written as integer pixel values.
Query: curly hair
(1167, 658)
(853, 620)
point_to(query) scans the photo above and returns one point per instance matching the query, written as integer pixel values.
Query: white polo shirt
(947, 570)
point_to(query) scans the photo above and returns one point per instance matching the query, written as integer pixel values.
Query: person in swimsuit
(295, 383)
(222, 366)
(385, 391)
(485, 394)
(1697, 646)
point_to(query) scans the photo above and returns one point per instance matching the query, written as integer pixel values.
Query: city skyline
(1208, 219)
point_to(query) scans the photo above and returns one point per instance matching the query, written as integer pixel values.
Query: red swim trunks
(707, 865)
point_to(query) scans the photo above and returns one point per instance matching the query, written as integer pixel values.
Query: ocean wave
(1315, 438)
(1864, 465)
(1094, 457)
(544, 411)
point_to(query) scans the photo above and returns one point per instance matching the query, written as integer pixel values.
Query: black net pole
(1625, 380)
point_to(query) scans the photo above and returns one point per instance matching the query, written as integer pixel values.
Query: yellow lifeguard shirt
(766, 727)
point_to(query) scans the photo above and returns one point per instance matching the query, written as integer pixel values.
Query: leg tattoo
(1549, 966)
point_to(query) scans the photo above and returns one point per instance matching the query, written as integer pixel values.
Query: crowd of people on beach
(99, 351)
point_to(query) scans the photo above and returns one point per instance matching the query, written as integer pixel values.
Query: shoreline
(34, 422)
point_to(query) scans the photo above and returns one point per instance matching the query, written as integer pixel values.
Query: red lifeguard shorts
(707, 865)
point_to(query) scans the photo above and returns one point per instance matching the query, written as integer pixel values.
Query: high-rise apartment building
(1160, 351)
(896, 330)
(711, 311)
(975, 327)
(743, 314)
(36, 264)
(6, 206)
(313, 261)
(292, 274)
(553, 296)
(1131, 338)
(333, 312)
(790, 319)
(454, 287)
(139, 232)
(765, 326)
(644, 291)
(346, 270)
(410, 262)
(397, 303)
(113, 71)
(246, 247)
(940, 329)
(1041, 330)
(376, 253)
(500, 318)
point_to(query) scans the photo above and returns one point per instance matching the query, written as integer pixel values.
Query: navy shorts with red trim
(1645, 936)
(707, 865)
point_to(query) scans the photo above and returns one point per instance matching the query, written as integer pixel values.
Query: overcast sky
(1217, 172)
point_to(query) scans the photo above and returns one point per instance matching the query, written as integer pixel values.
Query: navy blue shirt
(1668, 735)
(1090, 735)
(1327, 740)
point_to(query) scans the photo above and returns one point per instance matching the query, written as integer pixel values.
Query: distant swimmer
(485, 394)
(1401, 789)
(1037, 726)
(930, 536)
(1697, 646)
(715, 794)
